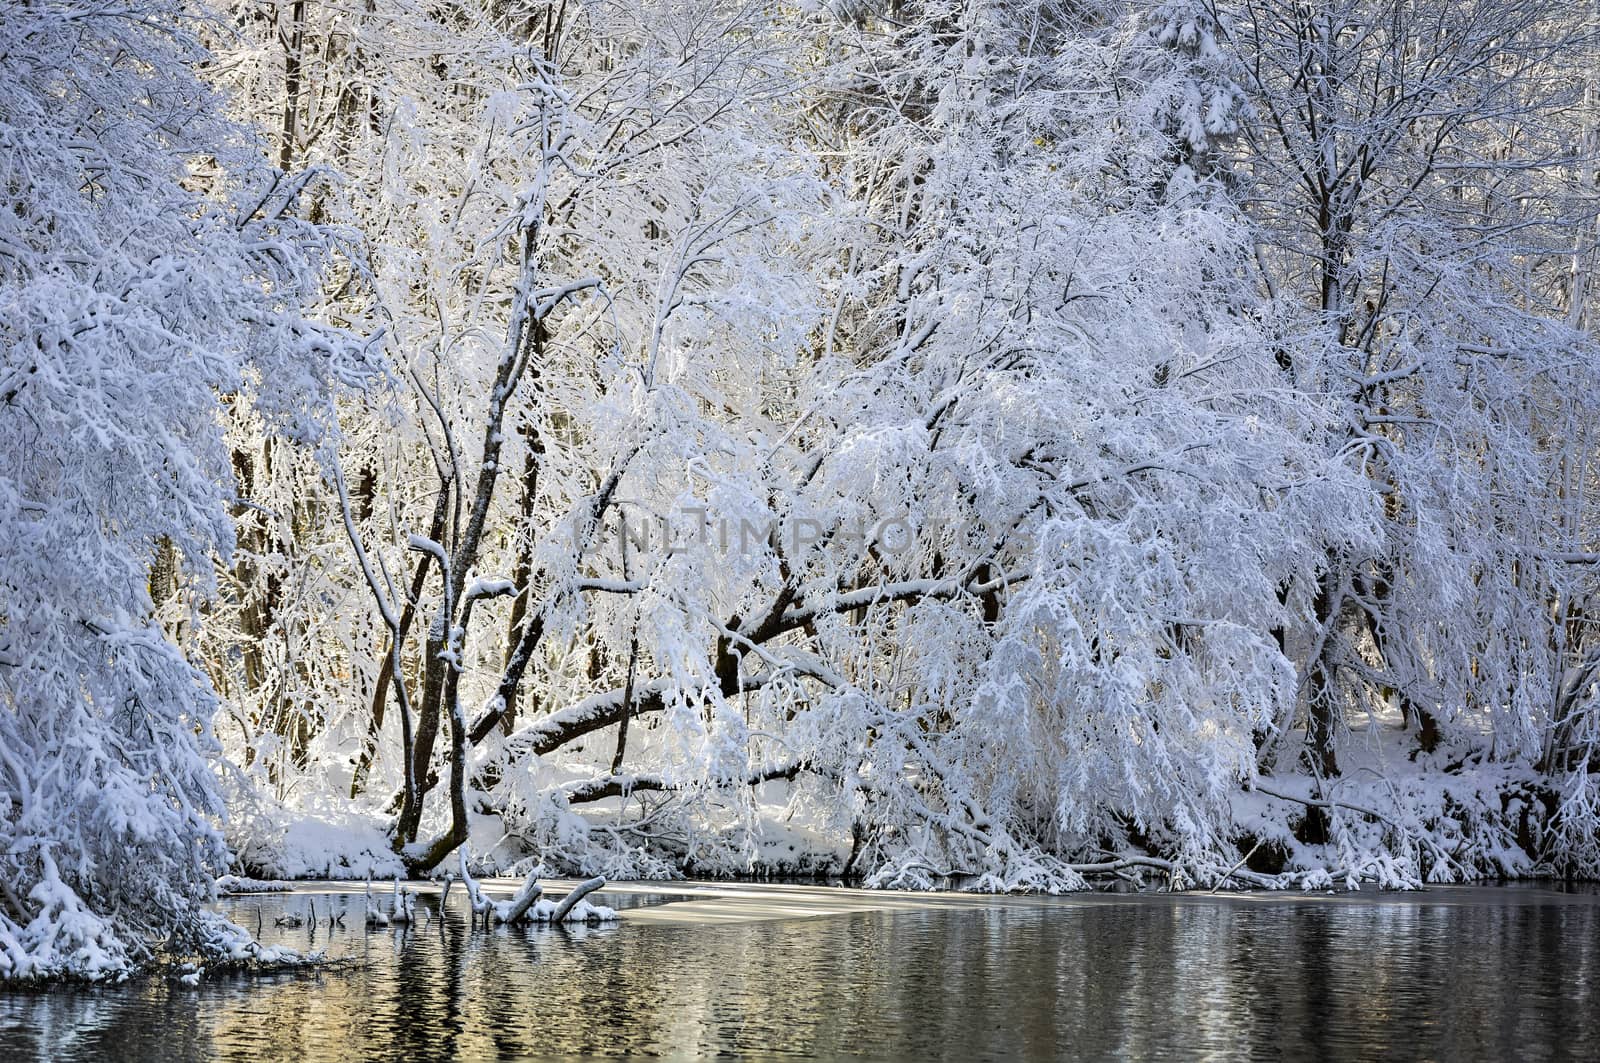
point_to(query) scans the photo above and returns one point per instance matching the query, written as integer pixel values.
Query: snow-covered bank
(1394, 820)
(720, 900)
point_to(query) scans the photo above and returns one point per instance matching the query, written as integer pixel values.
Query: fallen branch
(579, 892)
(623, 785)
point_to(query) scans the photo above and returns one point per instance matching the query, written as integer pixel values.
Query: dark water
(1460, 974)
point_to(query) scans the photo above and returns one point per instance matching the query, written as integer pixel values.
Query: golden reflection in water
(1138, 978)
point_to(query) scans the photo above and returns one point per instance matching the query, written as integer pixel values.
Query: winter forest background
(1018, 444)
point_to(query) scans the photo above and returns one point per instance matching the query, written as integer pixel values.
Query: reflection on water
(1457, 977)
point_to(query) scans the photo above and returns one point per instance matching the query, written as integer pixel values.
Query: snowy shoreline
(829, 898)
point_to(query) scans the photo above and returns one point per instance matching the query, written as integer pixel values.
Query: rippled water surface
(1452, 974)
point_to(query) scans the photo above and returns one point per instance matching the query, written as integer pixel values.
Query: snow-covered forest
(1001, 444)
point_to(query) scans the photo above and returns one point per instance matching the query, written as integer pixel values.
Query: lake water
(758, 971)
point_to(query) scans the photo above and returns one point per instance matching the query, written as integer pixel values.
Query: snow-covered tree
(148, 269)
(1189, 87)
(1035, 370)
(1413, 177)
(1028, 439)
